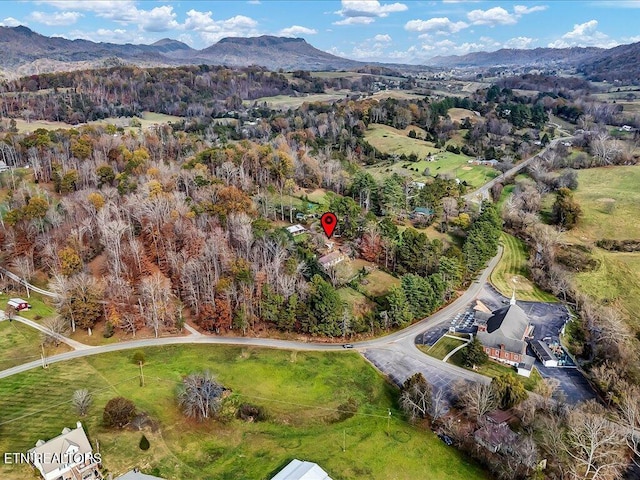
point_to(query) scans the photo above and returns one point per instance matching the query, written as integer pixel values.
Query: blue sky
(390, 31)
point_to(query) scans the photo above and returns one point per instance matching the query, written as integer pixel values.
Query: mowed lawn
(443, 346)
(397, 142)
(299, 391)
(512, 272)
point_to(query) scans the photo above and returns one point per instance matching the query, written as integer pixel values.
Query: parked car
(446, 439)
(347, 345)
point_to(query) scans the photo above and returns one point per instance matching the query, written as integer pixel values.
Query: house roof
(61, 444)
(542, 350)
(298, 470)
(423, 210)
(330, 257)
(507, 326)
(496, 435)
(135, 474)
(296, 228)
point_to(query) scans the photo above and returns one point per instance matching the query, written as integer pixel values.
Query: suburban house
(135, 474)
(296, 230)
(496, 437)
(331, 259)
(66, 457)
(421, 212)
(19, 304)
(503, 333)
(298, 470)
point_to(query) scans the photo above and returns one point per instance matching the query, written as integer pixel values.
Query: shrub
(118, 412)
(251, 413)
(138, 356)
(144, 443)
(108, 331)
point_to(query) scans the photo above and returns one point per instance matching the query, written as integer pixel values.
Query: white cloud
(56, 19)
(355, 21)
(117, 35)
(519, 42)
(382, 38)
(523, 10)
(11, 22)
(584, 35)
(366, 11)
(122, 11)
(492, 17)
(295, 30)
(159, 19)
(439, 24)
(213, 30)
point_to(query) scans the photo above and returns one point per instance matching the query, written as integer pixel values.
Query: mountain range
(25, 52)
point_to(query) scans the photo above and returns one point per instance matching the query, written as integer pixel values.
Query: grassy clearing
(459, 114)
(595, 187)
(298, 390)
(512, 271)
(359, 304)
(397, 142)
(615, 282)
(284, 102)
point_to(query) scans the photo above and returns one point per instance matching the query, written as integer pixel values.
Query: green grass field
(512, 271)
(397, 142)
(20, 344)
(40, 305)
(595, 187)
(300, 392)
(284, 102)
(443, 346)
(615, 282)
(393, 141)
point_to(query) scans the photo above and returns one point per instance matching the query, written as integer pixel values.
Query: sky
(367, 30)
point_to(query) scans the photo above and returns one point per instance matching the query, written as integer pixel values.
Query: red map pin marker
(329, 222)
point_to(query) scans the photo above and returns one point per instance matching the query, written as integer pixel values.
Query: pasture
(301, 392)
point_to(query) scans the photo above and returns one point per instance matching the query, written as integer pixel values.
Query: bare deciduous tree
(81, 401)
(476, 398)
(200, 396)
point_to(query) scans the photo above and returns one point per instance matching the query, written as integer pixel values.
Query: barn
(19, 304)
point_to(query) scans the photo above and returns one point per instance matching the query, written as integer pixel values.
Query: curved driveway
(395, 355)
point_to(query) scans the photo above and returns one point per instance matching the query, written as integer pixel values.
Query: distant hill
(618, 63)
(26, 52)
(518, 57)
(273, 53)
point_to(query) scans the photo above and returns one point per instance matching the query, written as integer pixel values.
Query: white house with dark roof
(66, 457)
(299, 470)
(503, 333)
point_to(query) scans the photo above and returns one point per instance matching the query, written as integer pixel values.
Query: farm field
(615, 282)
(596, 188)
(299, 391)
(393, 141)
(285, 101)
(512, 272)
(148, 119)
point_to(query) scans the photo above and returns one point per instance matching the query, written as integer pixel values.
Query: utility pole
(141, 375)
(344, 440)
(44, 362)
(388, 420)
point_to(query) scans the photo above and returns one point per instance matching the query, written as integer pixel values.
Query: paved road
(72, 343)
(21, 281)
(483, 192)
(398, 345)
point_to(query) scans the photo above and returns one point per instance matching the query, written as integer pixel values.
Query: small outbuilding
(19, 304)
